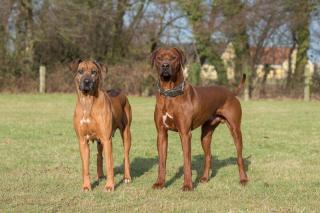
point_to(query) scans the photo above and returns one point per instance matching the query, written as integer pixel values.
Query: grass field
(40, 162)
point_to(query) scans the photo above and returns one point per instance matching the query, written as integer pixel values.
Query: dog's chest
(168, 121)
(88, 128)
(168, 115)
(85, 121)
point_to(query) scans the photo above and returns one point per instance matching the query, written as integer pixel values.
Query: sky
(182, 33)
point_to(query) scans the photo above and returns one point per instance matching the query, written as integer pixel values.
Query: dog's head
(88, 75)
(169, 62)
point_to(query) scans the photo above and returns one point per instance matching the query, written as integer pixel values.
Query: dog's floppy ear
(73, 66)
(153, 57)
(102, 68)
(182, 56)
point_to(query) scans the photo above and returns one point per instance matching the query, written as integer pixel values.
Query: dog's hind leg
(207, 130)
(126, 139)
(237, 137)
(233, 117)
(100, 174)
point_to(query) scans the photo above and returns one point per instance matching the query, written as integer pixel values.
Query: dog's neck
(173, 82)
(87, 100)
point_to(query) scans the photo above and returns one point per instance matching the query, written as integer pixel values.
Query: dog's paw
(244, 181)
(187, 188)
(86, 188)
(158, 185)
(109, 187)
(127, 180)
(203, 180)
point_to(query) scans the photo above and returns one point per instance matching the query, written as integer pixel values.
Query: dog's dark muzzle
(165, 71)
(86, 85)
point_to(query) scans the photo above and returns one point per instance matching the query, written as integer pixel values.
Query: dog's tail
(241, 85)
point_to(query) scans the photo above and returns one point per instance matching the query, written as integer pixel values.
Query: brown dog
(97, 116)
(181, 107)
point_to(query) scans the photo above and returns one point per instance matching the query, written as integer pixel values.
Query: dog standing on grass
(97, 116)
(180, 107)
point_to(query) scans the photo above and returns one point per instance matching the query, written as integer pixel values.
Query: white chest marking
(84, 121)
(164, 118)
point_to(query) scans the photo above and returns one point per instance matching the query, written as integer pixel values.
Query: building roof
(271, 55)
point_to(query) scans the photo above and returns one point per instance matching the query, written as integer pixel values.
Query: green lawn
(40, 161)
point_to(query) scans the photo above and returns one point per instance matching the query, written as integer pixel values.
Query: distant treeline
(123, 33)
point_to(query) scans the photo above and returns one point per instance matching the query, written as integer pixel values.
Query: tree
(202, 17)
(24, 28)
(235, 13)
(299, 17)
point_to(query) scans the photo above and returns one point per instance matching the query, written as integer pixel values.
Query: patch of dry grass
(40, 162)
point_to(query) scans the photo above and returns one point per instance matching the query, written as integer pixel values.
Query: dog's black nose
(86, 81)
(86, 84)
(165, 66)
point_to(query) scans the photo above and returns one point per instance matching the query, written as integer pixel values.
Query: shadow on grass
(197, 164)
(138, 167)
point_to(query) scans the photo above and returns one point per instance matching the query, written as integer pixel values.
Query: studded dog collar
(176, 91)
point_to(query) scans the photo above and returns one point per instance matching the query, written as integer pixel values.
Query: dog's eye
(174, 58)
(94, 72)
(159, 58)
(80, 72)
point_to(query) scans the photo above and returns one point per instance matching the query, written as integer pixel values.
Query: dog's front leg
(185, 137)
(100, 174)
(162, 145)
(85, 157)
(107, 148)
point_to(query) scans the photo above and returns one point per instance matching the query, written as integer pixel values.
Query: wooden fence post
(42, 79)
(246, 92)
(307, 81)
